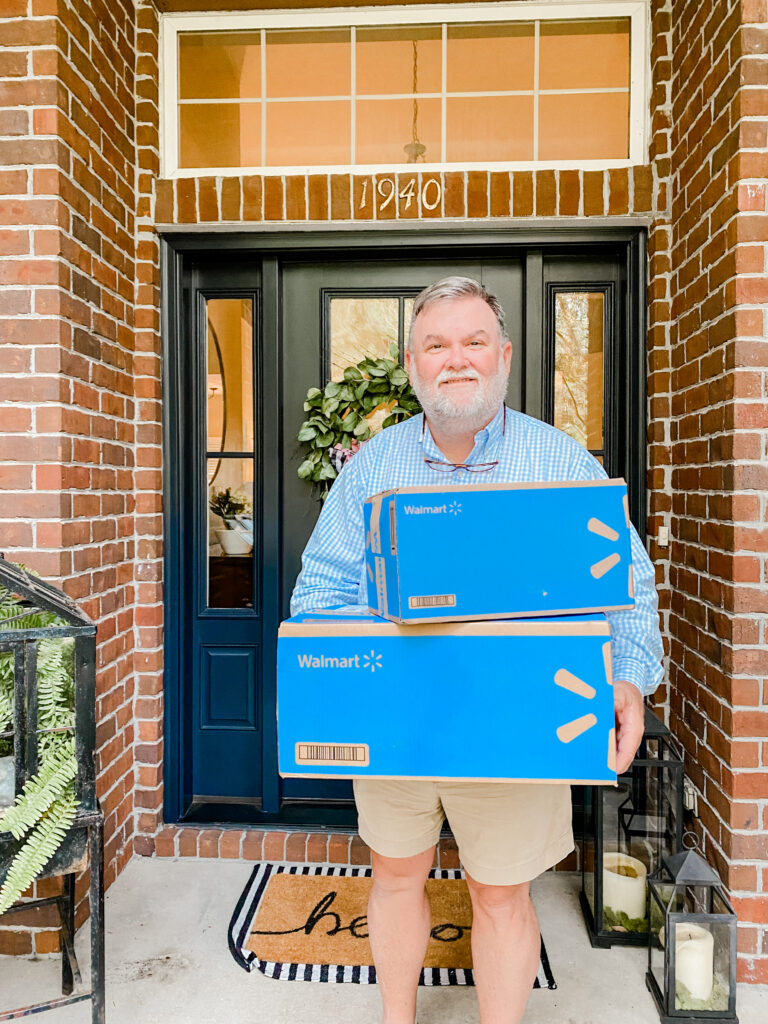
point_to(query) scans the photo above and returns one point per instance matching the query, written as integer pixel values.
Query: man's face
(457, 366)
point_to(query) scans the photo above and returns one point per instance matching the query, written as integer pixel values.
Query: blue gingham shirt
(333, 564)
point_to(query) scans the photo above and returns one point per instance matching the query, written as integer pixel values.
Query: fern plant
(45, 809)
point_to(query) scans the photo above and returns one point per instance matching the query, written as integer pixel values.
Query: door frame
(627, 242)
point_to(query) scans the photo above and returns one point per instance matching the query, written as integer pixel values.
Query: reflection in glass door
(230, 456)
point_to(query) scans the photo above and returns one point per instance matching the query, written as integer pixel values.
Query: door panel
(255, 332)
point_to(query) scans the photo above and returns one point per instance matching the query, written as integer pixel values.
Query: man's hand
(630, 722)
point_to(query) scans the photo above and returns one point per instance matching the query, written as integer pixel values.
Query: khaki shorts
(507, 832)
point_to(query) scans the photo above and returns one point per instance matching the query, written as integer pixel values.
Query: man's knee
(401, 874)
(503, 900)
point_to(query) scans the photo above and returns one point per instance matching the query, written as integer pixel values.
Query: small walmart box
(498, 550)
(526, 699)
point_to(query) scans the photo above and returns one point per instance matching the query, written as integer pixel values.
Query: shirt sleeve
(636, 642)
(333, 560)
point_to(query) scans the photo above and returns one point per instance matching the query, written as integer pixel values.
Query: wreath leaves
(343, 414)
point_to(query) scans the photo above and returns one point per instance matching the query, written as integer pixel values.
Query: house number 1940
(386, 188)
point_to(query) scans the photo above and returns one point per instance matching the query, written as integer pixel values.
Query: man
(458, 360)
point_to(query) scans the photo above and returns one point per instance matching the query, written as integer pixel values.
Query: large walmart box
(526, 699)
(498, 550)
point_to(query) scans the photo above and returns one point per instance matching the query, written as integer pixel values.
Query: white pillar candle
(695, 959)
(624, 884)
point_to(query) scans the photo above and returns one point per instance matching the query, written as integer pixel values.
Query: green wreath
(374, 394)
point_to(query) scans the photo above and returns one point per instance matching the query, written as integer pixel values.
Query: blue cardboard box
(526, 699)
(498, 550)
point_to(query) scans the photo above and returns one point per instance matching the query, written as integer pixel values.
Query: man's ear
(506, 349)
(407, 361)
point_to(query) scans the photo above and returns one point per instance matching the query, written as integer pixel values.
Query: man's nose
(457, 358)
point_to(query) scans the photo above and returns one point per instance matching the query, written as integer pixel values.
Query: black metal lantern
(691, 942)
(48, 695)
(627, 831)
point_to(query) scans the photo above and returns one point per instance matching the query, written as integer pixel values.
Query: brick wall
(719, 430)
(70, 226)
(67, 447)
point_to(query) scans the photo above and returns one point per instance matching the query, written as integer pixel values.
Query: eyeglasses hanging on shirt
(451, 467)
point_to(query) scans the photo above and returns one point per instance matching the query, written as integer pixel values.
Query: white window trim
(639, 89)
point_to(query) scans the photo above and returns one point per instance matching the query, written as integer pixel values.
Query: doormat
(308, 923)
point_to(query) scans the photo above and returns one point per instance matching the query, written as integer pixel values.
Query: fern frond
(38, 849)
(41, 791)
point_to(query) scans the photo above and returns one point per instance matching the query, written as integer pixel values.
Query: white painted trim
(639, 115)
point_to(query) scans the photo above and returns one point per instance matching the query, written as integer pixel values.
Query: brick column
(67, 210)
(719, 433)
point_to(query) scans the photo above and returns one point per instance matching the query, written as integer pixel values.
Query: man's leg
(398, 924)
(505, 949)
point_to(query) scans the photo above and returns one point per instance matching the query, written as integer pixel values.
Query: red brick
(340, 197)
(229, 844)
(477, 193)
(295, 197)
(274, 846)
(618, 190)
(546, 193)
(208, 843)
(338, 849)
(501, 194)
(408, 196)
(453, 195)
(252, 845)
(522, 193)
(317, 847)
(363, 196)
(569, 193)
(318, 197)
(230, 199)
(593, 193)
(252, 198)
(359, 852)
(273, 198)
(296, 846)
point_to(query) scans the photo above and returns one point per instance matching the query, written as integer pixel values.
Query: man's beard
(479, 410)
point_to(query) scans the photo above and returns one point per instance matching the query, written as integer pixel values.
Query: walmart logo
(454, 509)
(370, 661)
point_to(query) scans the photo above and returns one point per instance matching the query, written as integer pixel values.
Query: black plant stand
(86, 834)
(90, 826)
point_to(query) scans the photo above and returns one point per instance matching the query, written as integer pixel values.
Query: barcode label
(332, 753)
(433, 601)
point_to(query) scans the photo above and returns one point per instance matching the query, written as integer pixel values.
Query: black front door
(254, 331)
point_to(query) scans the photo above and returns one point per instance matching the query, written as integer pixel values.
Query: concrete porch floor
(168, 961)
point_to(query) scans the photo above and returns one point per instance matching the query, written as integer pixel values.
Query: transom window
(523, 84)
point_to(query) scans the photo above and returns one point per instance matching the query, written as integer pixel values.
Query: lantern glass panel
(588, 848)
(664, 896)
(701, 970)
(628, 856)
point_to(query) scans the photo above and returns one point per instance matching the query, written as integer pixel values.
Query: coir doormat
(308, 923)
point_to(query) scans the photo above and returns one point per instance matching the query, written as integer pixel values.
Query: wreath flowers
(374, 394)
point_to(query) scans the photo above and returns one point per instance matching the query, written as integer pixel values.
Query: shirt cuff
(631, 670)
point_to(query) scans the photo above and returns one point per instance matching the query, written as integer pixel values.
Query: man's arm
(332, 563)
(636, 642)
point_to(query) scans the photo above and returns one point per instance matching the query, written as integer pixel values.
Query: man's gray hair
(457, 288)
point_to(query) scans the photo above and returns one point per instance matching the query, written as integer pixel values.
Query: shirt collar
(488, 436)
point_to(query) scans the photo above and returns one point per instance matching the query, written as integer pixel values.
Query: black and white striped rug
(241, 928)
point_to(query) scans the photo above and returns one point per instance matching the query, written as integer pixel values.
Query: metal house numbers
(384, 191)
